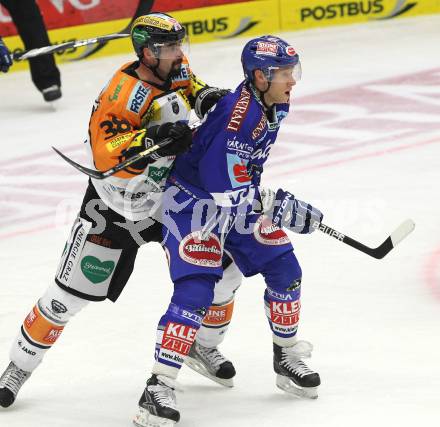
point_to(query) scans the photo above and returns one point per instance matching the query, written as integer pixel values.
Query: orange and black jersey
(124, 107)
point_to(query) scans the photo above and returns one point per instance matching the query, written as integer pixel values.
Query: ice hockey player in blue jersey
(215, 205)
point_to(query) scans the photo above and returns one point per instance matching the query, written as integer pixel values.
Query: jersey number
(115, 126)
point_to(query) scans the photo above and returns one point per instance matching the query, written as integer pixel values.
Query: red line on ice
(432, 273)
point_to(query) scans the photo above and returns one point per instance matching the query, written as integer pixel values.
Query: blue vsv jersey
(230, 148)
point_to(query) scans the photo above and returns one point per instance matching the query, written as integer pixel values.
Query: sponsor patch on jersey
(115, 143)
(237, 170)
(266, 48)
(284, 316)
(241, 149)
(53, 335)
(41, 330)
(262, 153)
(269, 234)
(72, 252)
(31, 317)
(230, 199)
(183, 74)
(256, 133)
(95, 270)
(178, 338)
(279, 295)
(239, 111)
(206, 253)
(115, 95)
(219, 315)
(158, 174)
(137, 98)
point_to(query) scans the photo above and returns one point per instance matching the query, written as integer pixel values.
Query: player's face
(171, 56)
(282, 82)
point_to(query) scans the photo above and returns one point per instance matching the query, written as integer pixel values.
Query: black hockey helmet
(155, 30)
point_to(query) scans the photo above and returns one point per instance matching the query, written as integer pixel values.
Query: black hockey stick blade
(400, 233)
(124, 164)
(32, 53)
(90, 172)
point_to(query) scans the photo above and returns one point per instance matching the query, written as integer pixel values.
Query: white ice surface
(374, 324)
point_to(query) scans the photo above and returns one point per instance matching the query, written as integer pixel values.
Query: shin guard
(177, 328)
(175, 335)
(216, 322)
(282, 311)
(43, 326)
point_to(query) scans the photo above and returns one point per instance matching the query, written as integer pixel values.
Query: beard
(175, 68)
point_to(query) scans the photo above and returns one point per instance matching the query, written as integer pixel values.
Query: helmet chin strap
(262, 96)
(261, 93)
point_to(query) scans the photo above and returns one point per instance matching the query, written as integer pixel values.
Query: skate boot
(10, 383)
(211, 363)
(294, 376)
(51, 93)
(157, 405)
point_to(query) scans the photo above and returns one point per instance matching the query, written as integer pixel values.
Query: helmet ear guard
(140, 38)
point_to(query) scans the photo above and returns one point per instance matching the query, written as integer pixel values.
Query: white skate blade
(287, 385)
(200, 368)
(145, 419)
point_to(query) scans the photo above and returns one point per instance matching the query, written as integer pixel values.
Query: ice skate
(212, 364)
(157, 405)
(10, 383)
(293, 375)
(51, 93)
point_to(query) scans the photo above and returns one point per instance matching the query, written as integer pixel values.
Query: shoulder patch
(240, 110)
(138, 97)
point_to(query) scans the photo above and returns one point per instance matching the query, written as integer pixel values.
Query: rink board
(223, 19)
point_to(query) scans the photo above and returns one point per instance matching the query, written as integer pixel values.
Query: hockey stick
(127, 162)
(109, 172)
(400, 233)
(32, 53)
(143, 8)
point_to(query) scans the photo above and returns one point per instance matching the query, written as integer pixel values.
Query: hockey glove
(179, 132)
(288, 212)
(5, 57)
(207, 98)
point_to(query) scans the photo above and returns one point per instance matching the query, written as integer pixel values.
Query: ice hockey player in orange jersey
(145, 101)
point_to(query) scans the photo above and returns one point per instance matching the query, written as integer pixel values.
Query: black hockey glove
(179, 132)
(5, 57)
(288, 212)
(207, 98)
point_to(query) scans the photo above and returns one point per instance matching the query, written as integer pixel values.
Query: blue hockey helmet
(268, 53)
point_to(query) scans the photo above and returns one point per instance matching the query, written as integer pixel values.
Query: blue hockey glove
(288, 212)
(5, 57)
